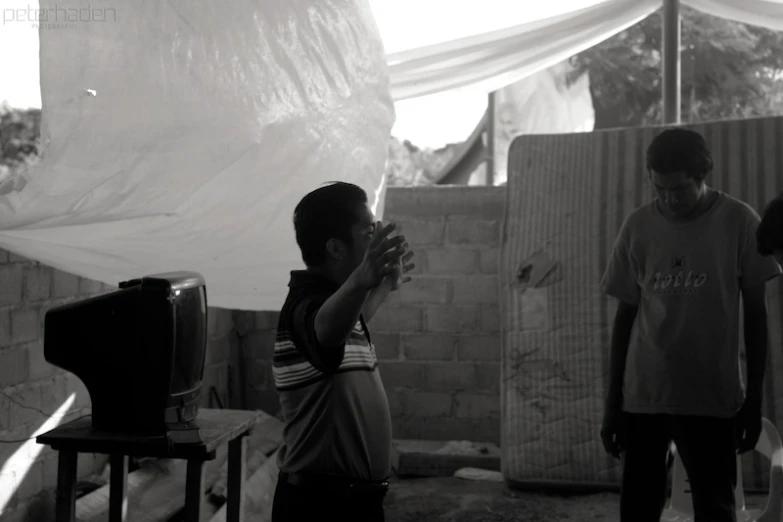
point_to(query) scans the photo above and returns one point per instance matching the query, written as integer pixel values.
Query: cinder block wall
(32, 391)
(438, 338)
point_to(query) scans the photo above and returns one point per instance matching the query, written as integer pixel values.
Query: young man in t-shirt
(335, 459)
(681, 266)
(770, 232)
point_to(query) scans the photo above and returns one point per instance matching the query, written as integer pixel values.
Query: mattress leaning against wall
(568, 195)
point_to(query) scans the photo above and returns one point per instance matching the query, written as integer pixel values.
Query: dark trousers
(707, 448)
(321, 500)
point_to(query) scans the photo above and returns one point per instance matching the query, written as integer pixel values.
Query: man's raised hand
(381, 257)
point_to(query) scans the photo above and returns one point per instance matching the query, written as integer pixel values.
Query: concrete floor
(451, 499)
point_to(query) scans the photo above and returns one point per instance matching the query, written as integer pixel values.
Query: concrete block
(435, 201)
(477, 406)
(266, 400)
(25, 325)
(490, 318)
(403, 374)
(5, 413)
(426, 290)
(387, 346)
(398, 403)
(38, 368)
(452, 318)
(16, 258)
(427, 347)
(218, 350)
(244, 321)
(75, 385)
(452, 261)
(37, 283)
(89, 287)
(26, 407)
(259, 374)
(5, 328)
(420, 233)
(442, 458)
(64, 284)
(450, 376)
(13, 367)
(259, 345)
(50, 471)
(429, 404)
(488, 377)
(219, 322)
(478, 348)
(267, 320)
(476, 289)
(31, 484)
(54, 392)
(447, 428)
(397, 318)
(461, 230)
(489, 260)
(215, 376)
(10, 284)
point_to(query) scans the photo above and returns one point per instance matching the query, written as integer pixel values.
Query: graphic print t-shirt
(686, 279)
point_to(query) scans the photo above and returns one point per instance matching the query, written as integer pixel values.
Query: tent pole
(490, 137)
(670, 52)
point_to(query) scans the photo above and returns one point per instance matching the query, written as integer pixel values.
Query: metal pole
(490, 135)
(670, 52)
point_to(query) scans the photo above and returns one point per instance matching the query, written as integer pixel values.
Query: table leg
(66, 486)
(235, 500)
(118, 488)
(194, 491)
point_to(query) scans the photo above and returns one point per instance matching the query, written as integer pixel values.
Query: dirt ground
(456, 500)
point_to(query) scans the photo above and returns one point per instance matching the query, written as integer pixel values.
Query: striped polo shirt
(334, 405)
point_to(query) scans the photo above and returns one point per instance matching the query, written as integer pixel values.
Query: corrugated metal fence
(567, 198)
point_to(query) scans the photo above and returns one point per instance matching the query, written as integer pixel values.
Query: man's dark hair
(769, 234)
(325, 213)
(679, 150)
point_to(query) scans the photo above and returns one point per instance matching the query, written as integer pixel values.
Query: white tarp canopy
(179, 135)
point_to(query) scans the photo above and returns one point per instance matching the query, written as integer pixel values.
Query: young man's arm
(754, 304)
(390, 283)
(620, 282)
(376, 297)
(755, 270)
(618, 353)
(338, 315)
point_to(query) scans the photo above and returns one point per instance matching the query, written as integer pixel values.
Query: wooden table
(216, 427)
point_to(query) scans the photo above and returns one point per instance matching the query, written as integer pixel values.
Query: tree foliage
(728, 70)
(20, 132)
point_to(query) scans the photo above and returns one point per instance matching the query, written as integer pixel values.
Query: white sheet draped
(763, 13)
(180, 135)
(495, 59)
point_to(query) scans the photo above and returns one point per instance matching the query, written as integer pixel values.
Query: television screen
(139, 351)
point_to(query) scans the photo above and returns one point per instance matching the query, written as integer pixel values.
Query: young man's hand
(382, 256)
(747, 427)
(404, 266)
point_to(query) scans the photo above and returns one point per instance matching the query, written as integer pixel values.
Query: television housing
(140, 353)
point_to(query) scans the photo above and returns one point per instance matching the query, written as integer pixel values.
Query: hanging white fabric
(180, 135)
(763, 13)
(489, 61)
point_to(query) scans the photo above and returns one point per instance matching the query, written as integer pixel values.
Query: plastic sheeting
(568, 195)
(542, 103)
(180, 135)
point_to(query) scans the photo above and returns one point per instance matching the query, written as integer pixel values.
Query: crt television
(140, 353)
